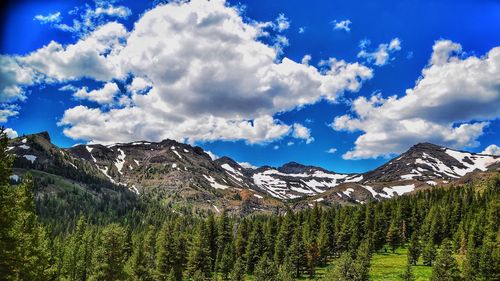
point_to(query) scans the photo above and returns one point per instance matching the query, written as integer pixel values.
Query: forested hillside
(454, 230)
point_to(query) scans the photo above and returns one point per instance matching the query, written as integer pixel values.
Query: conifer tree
(446, 267)
(199, 258)
(408, 274)
(297, 253)
(166, 257)
(32, 252)
(7, 212)
(429, 253)
(255, 247)
(414, 249)
(110, 256)
(285, 271)
(265, 270)
(238, 271)
(137, 266)
(344, 269)
(393, 236)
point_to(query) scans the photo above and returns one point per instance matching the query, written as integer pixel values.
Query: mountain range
(186, 176)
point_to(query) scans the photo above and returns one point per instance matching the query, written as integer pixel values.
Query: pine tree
(78, 253)
(429, 253)
(255, 247)
(414, 249)
(344, 269)
(110, 256)
(166, 257)
(199, 258)
(7, 212)
(285, 271)
(312, 258)
(225, 263)
(297, 253)
(137, 265)
(445, 267)
(33, 260)
(265, 270)
(324, 241)
(393, 236)
(362, 262)
(408, 274)
(238, 271)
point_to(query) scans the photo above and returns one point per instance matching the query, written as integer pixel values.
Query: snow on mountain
(183, 171)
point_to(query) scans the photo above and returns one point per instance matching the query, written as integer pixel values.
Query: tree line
(151, 242)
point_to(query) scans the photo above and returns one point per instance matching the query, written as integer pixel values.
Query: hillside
(182, 175)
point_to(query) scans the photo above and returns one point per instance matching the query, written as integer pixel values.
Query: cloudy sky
(340, 84)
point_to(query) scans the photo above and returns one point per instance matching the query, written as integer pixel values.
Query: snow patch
(23, 146)
(31, 158)
(215, 184)
(120, 160)
(348, 192)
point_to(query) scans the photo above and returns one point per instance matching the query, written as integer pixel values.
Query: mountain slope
(182, 175)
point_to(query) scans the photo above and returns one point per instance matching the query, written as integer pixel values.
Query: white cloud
(7, 111)
(302, 29)
(276, 147)
(290, 143)
(89, 17)
(104, 95)
(247, 165)
(301, 132)
(91, 57)
(306, 59)
(14, 77)
(331, 150)
(11, 133)
(343, 25)
(199, 72)
(282, 23)
(139, 85)
(381, 55)
(450, 105)
(212, 155)
(50, 18)
(492, 149)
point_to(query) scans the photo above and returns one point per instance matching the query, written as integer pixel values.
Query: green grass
(388, 267)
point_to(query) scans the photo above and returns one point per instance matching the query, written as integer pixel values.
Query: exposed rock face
(187, 175)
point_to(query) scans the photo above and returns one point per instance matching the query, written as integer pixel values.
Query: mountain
(181, 175)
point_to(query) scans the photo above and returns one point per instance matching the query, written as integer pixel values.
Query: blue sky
(281, 109)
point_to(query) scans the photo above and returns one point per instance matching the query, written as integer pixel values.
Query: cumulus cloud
(381, 55)
(50, 18)
(302, 29)
(11, 133)
(104, 95)
(492, 149)
(301, 132)
(331, 150)
(7, 111)
(90, 17)
(450, 105)
(282, 23)
(342, 25)
(247, 165)
(198, 72)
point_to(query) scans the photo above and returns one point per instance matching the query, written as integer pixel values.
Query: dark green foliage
(445, 267)
(265, 270)
(429, 253)
(110, 256)
(408, 274)
(414, 249)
